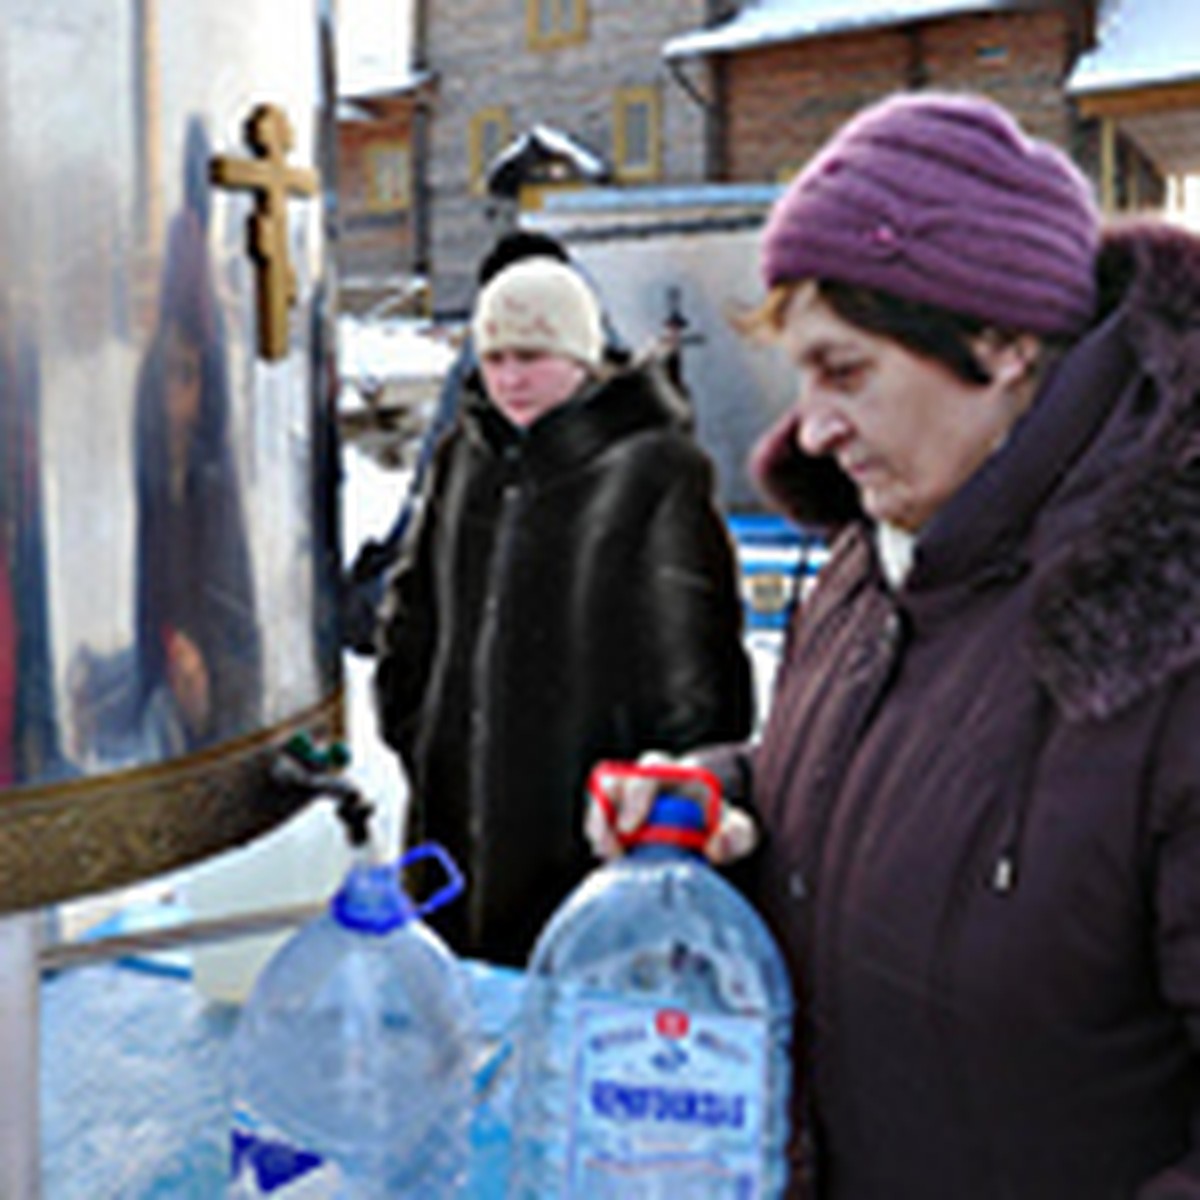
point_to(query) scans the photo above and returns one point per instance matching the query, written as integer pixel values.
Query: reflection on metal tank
(168, 532)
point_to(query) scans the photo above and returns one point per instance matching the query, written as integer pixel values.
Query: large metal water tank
(168, 544)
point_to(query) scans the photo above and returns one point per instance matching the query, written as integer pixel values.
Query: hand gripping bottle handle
(652, 1049)
(690, 835)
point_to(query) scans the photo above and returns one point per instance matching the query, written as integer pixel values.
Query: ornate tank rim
(64, 840)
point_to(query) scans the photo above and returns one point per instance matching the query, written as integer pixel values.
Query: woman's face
(184, 373)
(526, 384)
(905, 430)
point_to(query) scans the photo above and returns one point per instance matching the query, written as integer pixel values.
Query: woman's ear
(1010, 359)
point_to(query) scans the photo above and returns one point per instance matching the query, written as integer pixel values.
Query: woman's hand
(630, 797)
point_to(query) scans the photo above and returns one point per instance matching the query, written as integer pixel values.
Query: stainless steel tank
(168, 523)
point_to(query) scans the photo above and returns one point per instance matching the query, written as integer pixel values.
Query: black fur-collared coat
(572, 596)
(981, 794)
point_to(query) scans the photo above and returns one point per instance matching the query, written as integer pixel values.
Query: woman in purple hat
(973, 819)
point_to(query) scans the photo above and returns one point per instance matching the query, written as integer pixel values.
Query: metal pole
(58, 956)
(20, 1148)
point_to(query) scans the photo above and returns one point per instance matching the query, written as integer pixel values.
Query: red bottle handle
(664, 773)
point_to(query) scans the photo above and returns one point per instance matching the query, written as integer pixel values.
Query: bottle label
(264, 1162)
(669, 1094)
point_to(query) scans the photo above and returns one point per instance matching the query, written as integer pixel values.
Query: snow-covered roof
(347, 110)
(765, 22)
(538, 147)
(384, 88)
(554, 142)
(1141, 43)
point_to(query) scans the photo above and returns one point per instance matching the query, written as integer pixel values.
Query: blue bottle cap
(672, 810)
(371, 900)
(674, 820)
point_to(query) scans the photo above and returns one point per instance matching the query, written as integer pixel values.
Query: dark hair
(517, 245)
(926, 330)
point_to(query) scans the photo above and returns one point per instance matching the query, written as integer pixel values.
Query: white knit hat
(539, 304)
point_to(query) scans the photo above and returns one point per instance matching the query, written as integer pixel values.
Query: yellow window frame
(478, 152)
(570, 33)
(398, 199)
(624, 101)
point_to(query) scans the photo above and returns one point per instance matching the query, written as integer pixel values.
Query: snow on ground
(401, 348)
(371, 497)
(373, 352)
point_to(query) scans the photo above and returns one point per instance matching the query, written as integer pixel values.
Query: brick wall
(784, 101)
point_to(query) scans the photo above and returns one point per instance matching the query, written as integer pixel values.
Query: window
(636, 133)
(489, 135)
(389, 177)
(992, 55)
(553, 23)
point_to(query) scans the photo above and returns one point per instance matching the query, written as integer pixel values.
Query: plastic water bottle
(653, 1047)
(351, 1062)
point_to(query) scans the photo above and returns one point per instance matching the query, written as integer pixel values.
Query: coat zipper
(1002, 880)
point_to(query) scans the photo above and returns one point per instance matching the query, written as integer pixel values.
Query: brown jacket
(981, 795)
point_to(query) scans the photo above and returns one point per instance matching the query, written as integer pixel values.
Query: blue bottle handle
(452, 888)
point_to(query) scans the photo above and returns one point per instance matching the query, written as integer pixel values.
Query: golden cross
(272, 180)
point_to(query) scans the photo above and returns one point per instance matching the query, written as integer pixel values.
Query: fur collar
(619, 403)
(1120, 614)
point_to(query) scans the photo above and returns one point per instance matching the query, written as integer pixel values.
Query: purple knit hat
(943, 199)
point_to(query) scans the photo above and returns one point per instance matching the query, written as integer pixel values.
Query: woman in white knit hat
(570, 596)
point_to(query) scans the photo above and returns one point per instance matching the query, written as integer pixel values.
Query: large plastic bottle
(351, 1063)
(653, 1047)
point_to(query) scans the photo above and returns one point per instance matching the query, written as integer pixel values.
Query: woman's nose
(820, 426)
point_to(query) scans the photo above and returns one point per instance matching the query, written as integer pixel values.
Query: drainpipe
(422, 237)
(711, 111)
(916, 70)
(711, 106)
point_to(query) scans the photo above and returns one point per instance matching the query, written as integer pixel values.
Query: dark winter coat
(982, 794)
(572, 596)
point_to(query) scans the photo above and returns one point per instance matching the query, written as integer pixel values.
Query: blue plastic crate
(777, 563)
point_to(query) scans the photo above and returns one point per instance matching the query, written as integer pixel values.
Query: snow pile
(371, 498)
(373, 351)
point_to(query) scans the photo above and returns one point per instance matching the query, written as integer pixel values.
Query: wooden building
(518, 98)
(379, 223)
